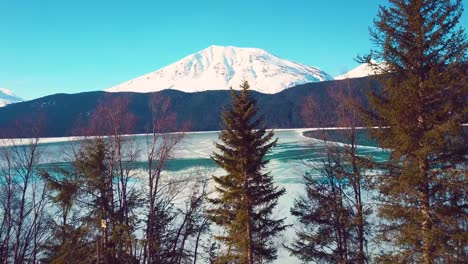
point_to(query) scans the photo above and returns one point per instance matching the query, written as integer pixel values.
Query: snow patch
(362, 70)
(8, 97)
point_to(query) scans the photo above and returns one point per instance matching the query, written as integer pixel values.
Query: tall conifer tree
(246, 195)
(334, 213)
(420, 108)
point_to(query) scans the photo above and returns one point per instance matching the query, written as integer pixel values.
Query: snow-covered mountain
(219, 68)
(8, 97)
(362, 70)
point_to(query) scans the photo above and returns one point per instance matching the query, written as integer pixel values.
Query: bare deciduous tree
(334, 211)
(22, 199)
(160, 145)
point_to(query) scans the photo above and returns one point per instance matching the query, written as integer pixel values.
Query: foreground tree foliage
(246, 195)
(96, 231)
(23, 219)
(420, 109)
(159, 147)
(68, 241)
(333, 214)
(101, 211)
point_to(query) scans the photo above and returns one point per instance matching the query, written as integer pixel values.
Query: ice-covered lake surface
(289, 161)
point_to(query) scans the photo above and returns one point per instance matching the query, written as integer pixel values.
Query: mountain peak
(6, 91)
(8, 97)
(222, 67)
(362, 70)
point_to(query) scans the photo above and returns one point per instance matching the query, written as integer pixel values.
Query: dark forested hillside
(62, 114)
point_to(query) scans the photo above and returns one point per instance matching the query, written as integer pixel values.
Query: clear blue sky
(58, 46)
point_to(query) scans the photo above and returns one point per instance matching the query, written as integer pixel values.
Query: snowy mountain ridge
(362, 70)
(222, 67)
(8, 97)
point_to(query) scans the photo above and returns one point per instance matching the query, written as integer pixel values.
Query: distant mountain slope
(59, 113)
(219, 68)
(362, 70)
(8, 97)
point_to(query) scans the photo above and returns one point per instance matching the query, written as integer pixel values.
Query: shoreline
(5, 142)
(305, 132)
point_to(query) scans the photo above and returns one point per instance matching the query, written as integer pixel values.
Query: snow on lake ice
(288, 163)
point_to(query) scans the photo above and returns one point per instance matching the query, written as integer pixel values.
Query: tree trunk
(357, 197)
(250, 256)
(426, 226)
(197, 241)
(249, 235)
(360, 226)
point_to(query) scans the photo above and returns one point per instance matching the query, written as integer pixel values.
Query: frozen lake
(289, 161)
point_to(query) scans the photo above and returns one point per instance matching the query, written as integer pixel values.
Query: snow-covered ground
(222, 67)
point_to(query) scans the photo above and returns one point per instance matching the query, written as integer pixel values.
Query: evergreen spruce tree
(246, 195)
(327, 232)
(82, 234)
(333, 214)
(93, 165)
(67, 243)
(420, 108)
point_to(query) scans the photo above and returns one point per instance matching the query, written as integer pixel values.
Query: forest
(410, 208)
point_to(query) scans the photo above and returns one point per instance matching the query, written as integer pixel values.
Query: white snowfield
(222, 67)
(8, 97)
(362, 70)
